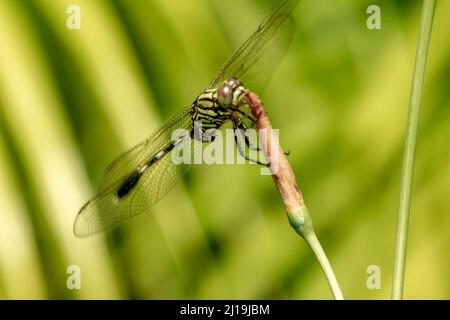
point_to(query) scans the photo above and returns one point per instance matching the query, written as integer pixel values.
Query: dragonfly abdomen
(133, 179)
(128, 184)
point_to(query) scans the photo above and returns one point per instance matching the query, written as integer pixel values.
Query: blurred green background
(72, 100)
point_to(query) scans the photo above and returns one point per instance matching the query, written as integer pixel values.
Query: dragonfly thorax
(214, 106)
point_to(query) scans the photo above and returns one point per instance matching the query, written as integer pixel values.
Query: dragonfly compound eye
(234, 82)
(225, 95)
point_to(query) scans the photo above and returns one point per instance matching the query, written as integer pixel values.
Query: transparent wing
(122, 166)
(256, 60)
(107, 209)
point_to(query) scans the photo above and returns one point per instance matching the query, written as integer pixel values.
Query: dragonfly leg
(241, 125)
(245, 114)
(239, 146)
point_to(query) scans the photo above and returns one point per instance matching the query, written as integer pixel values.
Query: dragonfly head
(226, 93)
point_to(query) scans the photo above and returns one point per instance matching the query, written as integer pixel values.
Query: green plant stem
(302, 224)
(410, 148)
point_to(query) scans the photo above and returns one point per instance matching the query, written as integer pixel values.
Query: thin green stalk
(302, 224)
(410, 147)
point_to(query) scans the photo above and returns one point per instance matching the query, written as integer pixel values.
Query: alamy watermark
(73, 281)
(373, 21)
(227, 146)
(373, 281)
(73, 21)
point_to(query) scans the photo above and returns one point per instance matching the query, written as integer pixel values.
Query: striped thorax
(214, 106)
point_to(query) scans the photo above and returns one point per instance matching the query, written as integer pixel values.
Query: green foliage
(71, 100)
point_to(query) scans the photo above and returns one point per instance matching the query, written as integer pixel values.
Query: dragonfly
(142, 176)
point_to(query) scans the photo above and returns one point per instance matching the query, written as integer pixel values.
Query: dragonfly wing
(256, 60)
(128, 162)
(166, 173)
(107, 209)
